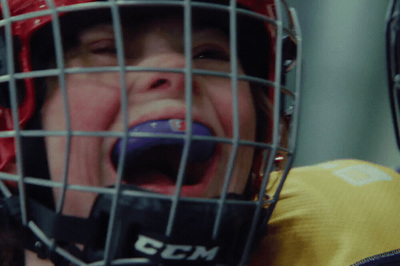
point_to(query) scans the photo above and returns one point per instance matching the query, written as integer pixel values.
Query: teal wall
(345, 108)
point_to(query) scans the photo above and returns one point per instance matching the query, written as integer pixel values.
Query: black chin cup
(139, 230)
(140, 226)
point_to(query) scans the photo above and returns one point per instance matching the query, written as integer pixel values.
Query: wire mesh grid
(61, 71)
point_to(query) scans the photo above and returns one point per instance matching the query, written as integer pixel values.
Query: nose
(168, 76)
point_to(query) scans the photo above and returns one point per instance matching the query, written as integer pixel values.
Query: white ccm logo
(152, 246)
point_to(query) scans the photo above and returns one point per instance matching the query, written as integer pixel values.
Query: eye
(211, 52)
(103, 47)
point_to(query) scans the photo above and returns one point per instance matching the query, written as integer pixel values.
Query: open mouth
(157, 161)
(160, 165)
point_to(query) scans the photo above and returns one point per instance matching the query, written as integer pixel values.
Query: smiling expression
(95, 105)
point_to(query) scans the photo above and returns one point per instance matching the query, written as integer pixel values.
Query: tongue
(200, 151)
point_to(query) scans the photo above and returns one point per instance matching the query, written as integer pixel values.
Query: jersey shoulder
(354, 172)
(335, 213)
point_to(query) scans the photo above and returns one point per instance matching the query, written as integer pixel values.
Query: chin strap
(139, 230)
(64, 229)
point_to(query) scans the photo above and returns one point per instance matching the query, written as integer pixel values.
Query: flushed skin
(151, 96)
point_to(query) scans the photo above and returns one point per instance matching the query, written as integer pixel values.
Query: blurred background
(345, 110)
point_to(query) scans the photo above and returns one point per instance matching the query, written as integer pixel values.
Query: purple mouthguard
(200, 151)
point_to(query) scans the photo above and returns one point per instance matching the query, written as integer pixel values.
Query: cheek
(223, 102)
(92, 104)
(247, 113)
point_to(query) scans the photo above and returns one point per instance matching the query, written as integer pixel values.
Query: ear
(7, 147)
(10, 167)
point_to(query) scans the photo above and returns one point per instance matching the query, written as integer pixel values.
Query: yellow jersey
(336, 213)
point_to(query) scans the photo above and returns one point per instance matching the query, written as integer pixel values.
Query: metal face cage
(392, 56)
(130, 224)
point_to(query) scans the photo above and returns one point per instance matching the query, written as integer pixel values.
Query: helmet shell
(25, 28)
(39, 15)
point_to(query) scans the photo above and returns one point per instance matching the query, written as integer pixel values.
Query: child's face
(94, 105)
